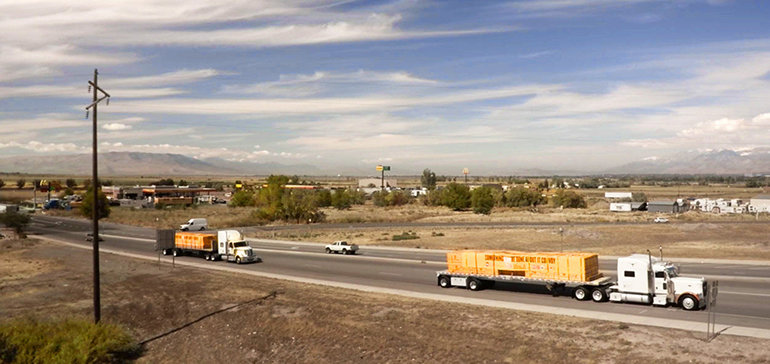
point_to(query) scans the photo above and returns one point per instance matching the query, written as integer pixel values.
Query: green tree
(397, 198)
(568, 199)
(15, 221)
(324, 198)
(103, 206)
(2, 183)
(428, 179)
(270, 198)
(523, 197)
(341, 200)
(70, 182)
(482, 200)
(456, 196)
(300, 206)
(243, 198)
(20, 183)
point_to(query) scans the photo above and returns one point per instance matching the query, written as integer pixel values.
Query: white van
(194, 224)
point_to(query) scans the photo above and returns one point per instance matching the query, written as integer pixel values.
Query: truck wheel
(328, 251)
(474, 284)
(165, 251)
(202, 228)
(444, 282)
(175, 252)
(688, 302)
(598, 295)
(581, 293)
(345, 252)
(237, 260)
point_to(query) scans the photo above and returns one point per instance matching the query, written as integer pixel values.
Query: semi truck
(227, 245)
(642, 278)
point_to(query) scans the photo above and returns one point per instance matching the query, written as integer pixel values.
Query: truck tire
(202, 228)
(444, 282)
(175, 252)
(237, 260)
(598, 295)
(474, 284)
(328, 251)
(165, 251)
(345, 251)
(688, 302)
(580, 293)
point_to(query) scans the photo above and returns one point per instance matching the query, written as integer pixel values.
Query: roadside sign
(379, 168)
(385, 168)
(465, 171)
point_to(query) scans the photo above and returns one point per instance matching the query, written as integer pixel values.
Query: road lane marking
(745, 293)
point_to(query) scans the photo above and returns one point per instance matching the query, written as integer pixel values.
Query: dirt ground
(285, 322)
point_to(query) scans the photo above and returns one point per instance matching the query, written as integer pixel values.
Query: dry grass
(304, 322)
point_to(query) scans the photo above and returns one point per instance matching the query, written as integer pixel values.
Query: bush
(67, 341)
(456, 196)
(482, 200)
(405, 236)
(324, 198)
(524, 197)
(243, 198)
(341, 199)
(568, 199)
(88, 202)
(15, 221)
(20, 183)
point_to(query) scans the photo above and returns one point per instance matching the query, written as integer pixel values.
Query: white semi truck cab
(646, 279)
(233, 248)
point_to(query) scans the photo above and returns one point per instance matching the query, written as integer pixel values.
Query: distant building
(664, 206)
(617, 195)
(628, 206)
(760, 203)
(376, 183)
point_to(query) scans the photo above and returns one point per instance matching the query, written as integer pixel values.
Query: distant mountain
(136, 164)
(724, 161)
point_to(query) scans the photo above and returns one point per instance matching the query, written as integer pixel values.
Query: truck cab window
(629, 273)
(660, 275)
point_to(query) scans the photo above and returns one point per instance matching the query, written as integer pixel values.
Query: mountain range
(750, 161)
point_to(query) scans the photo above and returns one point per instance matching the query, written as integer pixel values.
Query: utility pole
(95, 185)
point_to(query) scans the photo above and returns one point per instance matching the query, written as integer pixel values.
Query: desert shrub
(482, 200)
(66, 341)
(524, 197)
(103, 205)
(405, 236)
(568, 199)
(456, 196)
(15, 221)
(243, 198)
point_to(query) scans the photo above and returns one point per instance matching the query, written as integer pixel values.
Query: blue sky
(493, 86)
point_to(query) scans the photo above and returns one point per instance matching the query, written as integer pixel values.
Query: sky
(492, 86)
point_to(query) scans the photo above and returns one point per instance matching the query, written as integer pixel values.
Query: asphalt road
(744, 298)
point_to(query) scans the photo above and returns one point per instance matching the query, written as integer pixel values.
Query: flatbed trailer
(596, 289)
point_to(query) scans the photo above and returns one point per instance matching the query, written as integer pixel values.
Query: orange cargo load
(195, 241)
(581, 267)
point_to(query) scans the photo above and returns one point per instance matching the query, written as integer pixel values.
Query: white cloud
(305, 85)
(116, 126)
(40, 147)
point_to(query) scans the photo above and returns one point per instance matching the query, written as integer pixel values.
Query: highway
(744, 298)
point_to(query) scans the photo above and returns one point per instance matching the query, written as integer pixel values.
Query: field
(280, 321)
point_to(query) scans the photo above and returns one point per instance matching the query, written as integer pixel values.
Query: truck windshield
(672, 272)
(240, 244)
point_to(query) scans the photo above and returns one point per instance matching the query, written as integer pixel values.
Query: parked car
(195, 224)
(341, 247)
(660, 220)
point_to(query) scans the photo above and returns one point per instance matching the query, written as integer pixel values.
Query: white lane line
(745, 293)
(596, 315)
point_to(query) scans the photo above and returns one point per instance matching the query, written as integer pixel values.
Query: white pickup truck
(341, 247)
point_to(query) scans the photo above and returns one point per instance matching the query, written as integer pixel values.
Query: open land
(292, 322)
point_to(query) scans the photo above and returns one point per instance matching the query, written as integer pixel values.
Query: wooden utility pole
(95, 186)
